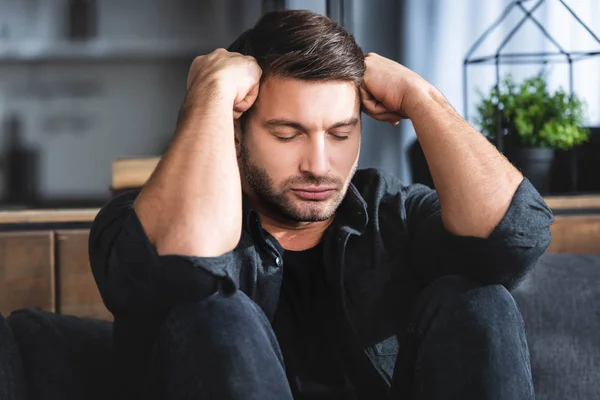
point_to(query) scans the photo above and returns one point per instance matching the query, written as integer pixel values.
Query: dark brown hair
(303, 45)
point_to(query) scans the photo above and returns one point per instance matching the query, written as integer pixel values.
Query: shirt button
(279, 261)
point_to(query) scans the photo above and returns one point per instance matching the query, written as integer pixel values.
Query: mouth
(314, 193)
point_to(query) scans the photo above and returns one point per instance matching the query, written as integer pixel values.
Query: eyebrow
(273, 123)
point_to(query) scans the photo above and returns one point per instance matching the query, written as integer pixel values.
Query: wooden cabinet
(577, 234)
(77, 293)
(48, 270)
(27, 271)
(576, 227)
(44, 263)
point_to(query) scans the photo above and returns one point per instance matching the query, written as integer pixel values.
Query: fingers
(253, 68)
(244, 105)
(247, 97)
(235, 75)
(377, 110)
(391, 118)
(370, 103)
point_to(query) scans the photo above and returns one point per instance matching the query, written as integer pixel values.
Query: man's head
(298, 145)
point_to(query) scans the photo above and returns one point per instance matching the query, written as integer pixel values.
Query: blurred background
(84, 82)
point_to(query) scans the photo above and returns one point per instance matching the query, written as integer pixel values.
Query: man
(257, 263)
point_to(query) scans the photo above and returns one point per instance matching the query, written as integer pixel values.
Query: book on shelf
(131, 173)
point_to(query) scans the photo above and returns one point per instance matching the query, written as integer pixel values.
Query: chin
(312, 212)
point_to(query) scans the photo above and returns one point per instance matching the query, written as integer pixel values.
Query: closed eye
(340, 136)
(287, 138)
(337, 136)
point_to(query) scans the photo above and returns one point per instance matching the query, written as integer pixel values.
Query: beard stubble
(279, 203)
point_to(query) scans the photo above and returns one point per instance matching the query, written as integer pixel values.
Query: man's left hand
(389, 90)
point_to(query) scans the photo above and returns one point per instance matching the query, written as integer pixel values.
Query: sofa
(49, 356)
(560, 303)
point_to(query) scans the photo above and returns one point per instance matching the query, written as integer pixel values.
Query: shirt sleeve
(505, 257)
(133, 278)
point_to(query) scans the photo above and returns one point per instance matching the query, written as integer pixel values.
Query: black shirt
(306, 328)
(386, 243)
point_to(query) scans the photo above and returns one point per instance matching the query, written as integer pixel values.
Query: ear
(237, 132)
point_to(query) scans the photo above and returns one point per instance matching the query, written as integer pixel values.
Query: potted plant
(534, 122)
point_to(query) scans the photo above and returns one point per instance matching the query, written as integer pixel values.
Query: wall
(84, 112)
(375, 26)
(117, 96)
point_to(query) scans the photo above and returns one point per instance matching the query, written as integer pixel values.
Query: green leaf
(531, 115)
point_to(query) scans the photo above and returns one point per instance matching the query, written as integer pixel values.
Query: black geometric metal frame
(498, 58)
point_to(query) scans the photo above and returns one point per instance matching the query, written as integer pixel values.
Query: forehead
(308, 102)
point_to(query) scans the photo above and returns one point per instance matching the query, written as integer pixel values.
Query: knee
(475, 328)
(216, 320)
(488, 302)
(483, 308)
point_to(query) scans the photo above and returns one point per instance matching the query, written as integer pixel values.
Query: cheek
(280, 162)
(280, 165)
(345, 157)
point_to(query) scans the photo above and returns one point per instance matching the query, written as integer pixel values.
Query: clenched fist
(226, 76)
(390, 91)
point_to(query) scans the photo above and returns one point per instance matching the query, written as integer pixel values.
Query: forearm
(475, 183)
(192, 204)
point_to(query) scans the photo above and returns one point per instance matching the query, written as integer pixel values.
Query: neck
(295, 236)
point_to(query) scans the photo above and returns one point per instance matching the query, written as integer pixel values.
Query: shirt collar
(251, 220)
(352, 212)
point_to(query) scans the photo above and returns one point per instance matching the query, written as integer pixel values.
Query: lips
(314, 193)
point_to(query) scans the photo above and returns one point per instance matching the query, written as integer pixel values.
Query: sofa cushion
(64, 357)
(560, 303)
(12, 381)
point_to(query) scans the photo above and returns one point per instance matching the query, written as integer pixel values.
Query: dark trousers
(464, 341)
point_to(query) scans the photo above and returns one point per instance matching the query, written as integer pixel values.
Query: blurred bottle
(21, 165)
(82, 22)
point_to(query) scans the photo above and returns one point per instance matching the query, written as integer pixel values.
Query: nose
(316, 160)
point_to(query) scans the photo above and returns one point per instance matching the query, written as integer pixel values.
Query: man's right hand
(196, 185)
(221, 74)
